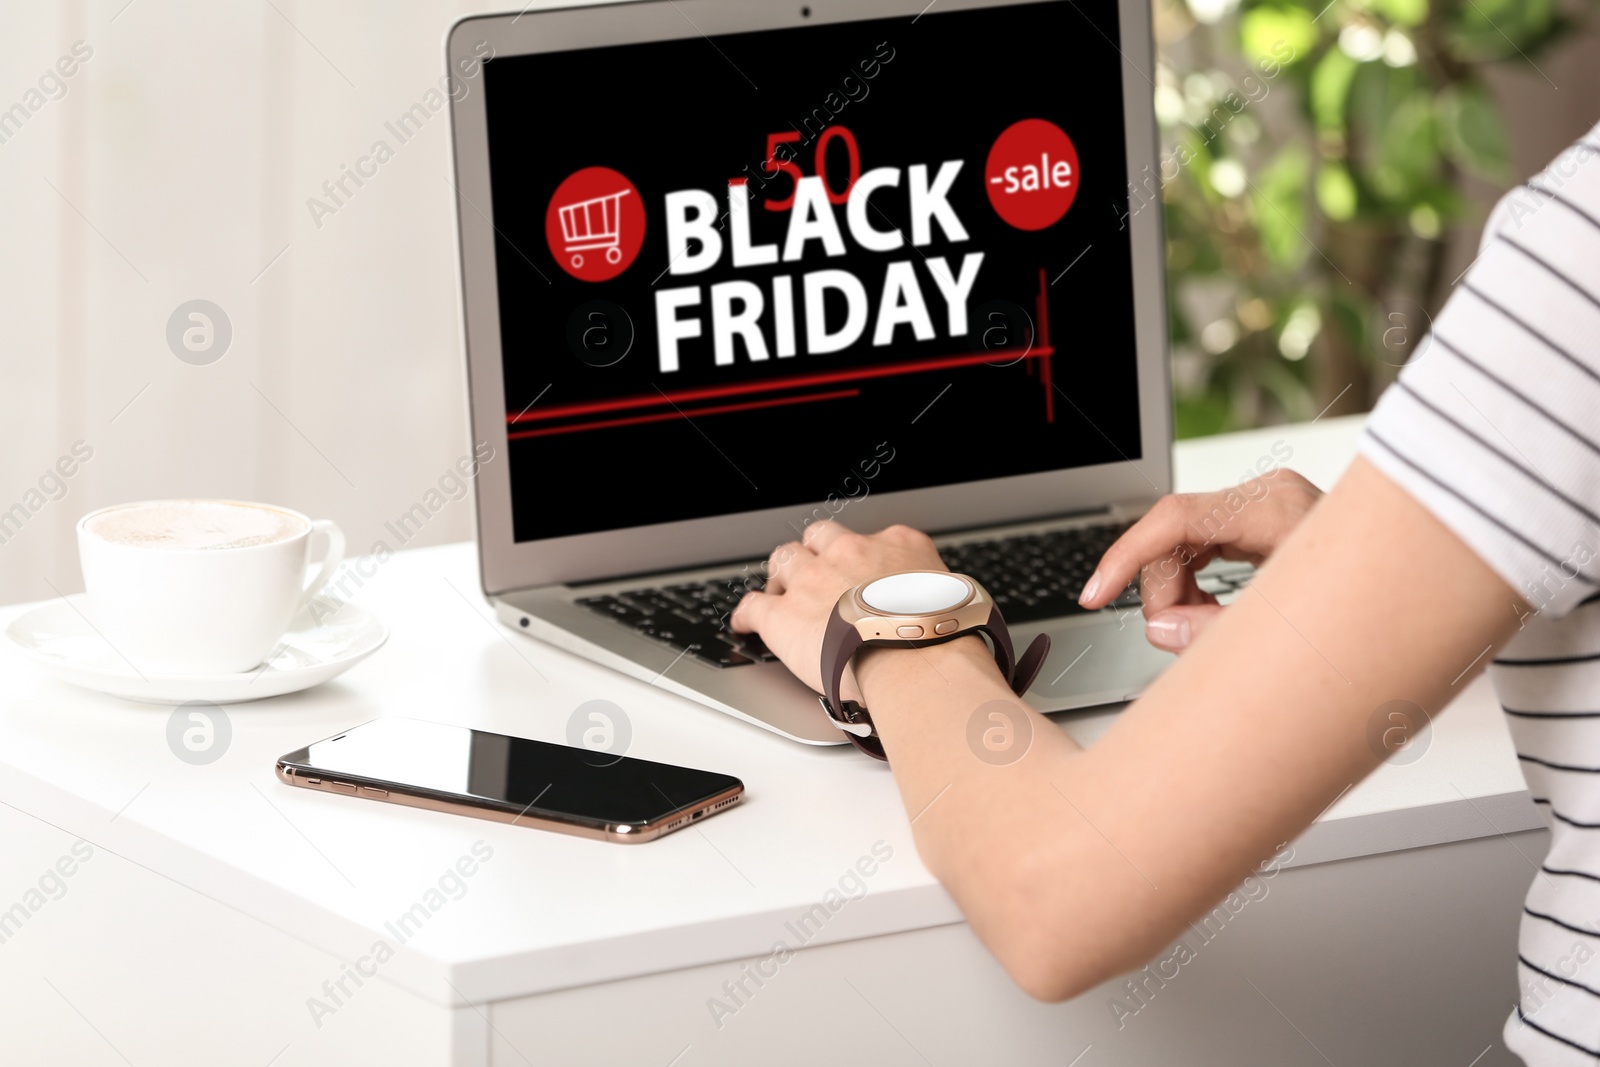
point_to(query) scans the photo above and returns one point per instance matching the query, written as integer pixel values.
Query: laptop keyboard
(1031, 577)
(1039, 576)
(691, 617)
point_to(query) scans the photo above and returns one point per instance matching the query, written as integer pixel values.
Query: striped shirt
(1494, 426)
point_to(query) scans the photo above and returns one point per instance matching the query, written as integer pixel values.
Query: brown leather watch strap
(841, 641)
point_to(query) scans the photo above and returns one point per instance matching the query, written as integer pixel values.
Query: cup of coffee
(200, 586)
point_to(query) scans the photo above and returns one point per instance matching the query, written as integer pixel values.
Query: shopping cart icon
(593, 224)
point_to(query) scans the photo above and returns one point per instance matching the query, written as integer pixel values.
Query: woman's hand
(1186, 531)
(805, 580)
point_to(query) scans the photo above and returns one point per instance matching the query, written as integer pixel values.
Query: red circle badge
(1032, 174)
(595, 224)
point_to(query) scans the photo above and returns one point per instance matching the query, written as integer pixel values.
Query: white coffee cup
(200, 586)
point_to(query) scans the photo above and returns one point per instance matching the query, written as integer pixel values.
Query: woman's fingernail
(1170, 632)
(1090, 587)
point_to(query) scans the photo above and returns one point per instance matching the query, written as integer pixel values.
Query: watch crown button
(948, 626)
(909, 632)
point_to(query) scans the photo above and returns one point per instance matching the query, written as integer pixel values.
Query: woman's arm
(1076, 865)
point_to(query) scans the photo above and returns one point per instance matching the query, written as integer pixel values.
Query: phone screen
(510, 773)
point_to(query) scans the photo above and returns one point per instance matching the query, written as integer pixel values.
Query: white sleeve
(1494, 425)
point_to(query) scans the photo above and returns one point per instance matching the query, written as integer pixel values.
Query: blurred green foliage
(1312, 159)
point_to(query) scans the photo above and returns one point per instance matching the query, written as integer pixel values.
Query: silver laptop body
(548, 584)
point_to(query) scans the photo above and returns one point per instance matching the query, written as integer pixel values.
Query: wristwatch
(914, 608)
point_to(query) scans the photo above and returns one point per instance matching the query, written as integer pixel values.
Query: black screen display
(766, 269)
(535, 777)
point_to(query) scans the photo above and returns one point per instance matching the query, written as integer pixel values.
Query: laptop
(729, 268)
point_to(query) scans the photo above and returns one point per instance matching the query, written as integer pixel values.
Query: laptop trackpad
(1093, 661)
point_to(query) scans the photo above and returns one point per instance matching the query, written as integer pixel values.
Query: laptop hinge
(1132, 508)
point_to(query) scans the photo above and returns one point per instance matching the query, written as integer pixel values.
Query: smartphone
(570, 790)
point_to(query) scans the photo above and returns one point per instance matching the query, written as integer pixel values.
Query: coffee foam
(196, 524)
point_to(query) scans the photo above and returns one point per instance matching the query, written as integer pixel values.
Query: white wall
(177, 166)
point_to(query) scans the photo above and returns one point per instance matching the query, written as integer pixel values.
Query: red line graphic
(773, 385)
(722, 409)
(1044, 342)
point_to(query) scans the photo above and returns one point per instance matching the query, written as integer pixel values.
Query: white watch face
(916, 593)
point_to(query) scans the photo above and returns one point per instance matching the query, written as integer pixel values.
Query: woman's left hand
(805, 580)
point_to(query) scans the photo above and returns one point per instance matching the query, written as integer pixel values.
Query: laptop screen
(798, 266)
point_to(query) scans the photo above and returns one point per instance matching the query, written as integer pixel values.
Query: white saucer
(60, 639)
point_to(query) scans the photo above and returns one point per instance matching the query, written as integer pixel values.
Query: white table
(217, 902)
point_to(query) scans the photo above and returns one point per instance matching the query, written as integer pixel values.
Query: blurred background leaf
(1473, 134)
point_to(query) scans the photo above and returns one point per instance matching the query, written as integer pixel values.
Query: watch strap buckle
(853, 723)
